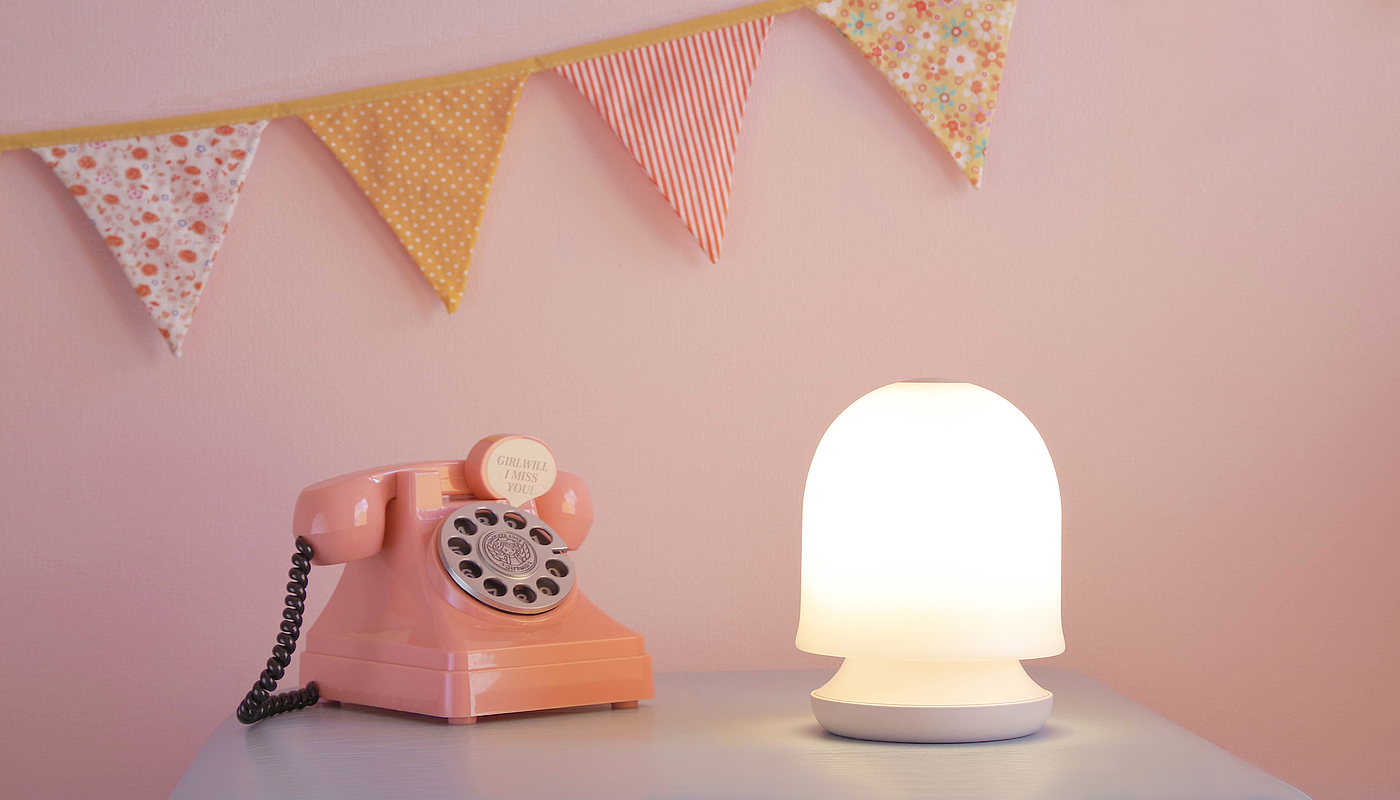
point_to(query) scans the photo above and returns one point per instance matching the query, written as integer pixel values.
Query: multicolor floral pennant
(163, 204)
(426, 162)
(677, 107)
(944, 56)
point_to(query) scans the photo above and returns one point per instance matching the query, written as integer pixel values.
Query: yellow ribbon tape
(310, 105)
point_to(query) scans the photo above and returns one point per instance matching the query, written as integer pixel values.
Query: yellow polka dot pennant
(426, 162)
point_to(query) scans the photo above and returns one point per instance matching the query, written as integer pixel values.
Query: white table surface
(739, 735)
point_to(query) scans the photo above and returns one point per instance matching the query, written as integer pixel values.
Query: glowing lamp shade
(931, 562)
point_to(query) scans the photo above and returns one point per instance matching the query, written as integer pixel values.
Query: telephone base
(468, 694)
(461, 720)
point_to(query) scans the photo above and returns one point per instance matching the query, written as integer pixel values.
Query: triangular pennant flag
(677, 107)
(426, 162)
(944, 56)
(163, 204)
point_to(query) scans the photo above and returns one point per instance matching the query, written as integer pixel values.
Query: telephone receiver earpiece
(567, 508)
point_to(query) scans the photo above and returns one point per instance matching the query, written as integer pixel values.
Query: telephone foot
(461, 720)
(625, 704)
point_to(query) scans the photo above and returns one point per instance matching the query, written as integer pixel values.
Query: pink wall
(1183, 269)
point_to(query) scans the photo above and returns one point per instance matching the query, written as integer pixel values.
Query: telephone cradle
(459, 599)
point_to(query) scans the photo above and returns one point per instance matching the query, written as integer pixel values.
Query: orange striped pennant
(677, 107)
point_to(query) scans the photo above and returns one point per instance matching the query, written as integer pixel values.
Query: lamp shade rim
(1026, 654)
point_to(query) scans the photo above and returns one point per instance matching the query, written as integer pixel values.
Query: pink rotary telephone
(459, 599)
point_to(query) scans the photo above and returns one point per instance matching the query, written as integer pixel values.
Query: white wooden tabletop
(732, 735)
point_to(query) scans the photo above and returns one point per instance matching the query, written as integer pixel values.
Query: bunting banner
(424, 152)
(162, 203)
(945, 58)
(677, 107)
(426, 162)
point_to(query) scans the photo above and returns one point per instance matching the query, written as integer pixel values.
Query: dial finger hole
(514, 520)
(494, 587)
(524, 593)
(556, 568)
(470, 568)
(541, 536)
(485, 516)
(547, 587)
(459, 546)
(465, 526)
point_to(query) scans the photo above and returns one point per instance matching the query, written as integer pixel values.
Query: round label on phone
(519, 469)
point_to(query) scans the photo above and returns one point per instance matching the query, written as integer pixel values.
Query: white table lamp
(931, 563)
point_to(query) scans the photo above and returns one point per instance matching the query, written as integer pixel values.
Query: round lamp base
(899, 723)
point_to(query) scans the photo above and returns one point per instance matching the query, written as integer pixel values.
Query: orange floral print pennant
(163, 205)
(426, 162)
(945, 57)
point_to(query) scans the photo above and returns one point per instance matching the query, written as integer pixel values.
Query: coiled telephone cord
(260, 702)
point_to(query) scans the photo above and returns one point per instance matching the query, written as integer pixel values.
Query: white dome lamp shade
(931, 563)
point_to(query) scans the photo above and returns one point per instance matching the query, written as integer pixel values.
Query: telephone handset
(459, 598)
